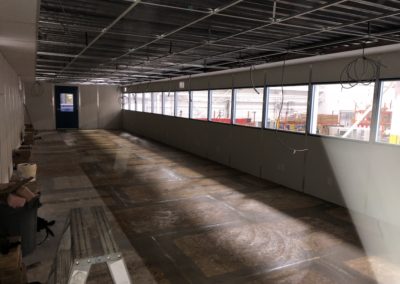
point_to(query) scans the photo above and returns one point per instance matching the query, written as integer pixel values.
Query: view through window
(157, 102)
(66, 102)
(287, 108)
(389, 113)
(249, 106)
(182, 104)
(200, 105)
(341, 112)
(169, 108)
(221, 105)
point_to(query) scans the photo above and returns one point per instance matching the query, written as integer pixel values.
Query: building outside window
(221, 105)
(341, 112)
(182, 104)
(169, 101)
(147, 102)
(125, 101)
(389, 113)
(200, 105)
(131, 103)
(249, 107)
(139, 101)
(287, 108)
(157, 102)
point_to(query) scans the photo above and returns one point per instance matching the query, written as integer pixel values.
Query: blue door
(66, 103)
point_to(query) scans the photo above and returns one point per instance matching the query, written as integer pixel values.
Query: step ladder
(87, 240)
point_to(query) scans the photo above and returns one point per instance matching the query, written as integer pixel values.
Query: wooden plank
(12, 269)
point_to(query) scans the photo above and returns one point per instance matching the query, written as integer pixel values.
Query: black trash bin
(21, 222)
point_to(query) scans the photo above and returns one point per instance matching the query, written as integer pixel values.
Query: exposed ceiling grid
(124, 42)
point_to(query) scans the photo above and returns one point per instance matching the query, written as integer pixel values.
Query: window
(124, 99)
(182, 104)
(340, 112)
(287, 108)
(147, 102)
(132, 105)
(66, 102)
(139, 101)
(157, 103)
(200, 105)
(169, 102)
(221, 105)
(389, 113)
(249, 107)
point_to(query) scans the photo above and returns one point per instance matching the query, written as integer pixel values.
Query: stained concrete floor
(182, 219)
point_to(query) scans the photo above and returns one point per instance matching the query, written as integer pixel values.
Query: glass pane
(169, 103)
(139, 102)
(126, 97)
(132, 105)
(182, 101)
(200, 105)
(157, 101)
(221, 105)
(66, 102)
(147, 102)
(249, 107)
(344, 113)
(389, 114)
(287, 110)
(124, 101)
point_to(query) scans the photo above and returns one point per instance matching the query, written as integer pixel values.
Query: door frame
(76, 105)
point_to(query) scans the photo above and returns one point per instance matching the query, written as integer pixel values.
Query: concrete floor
(182, 219)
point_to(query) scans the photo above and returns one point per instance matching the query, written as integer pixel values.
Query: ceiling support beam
(104, 31)
(211, 13)
(270, 23)
(391, 14)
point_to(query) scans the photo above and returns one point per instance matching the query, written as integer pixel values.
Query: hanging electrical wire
(134, 97)
(252, 79)
(170, 86)
(360, 71)
(283, 143)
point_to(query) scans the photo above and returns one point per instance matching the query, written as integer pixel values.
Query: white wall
(99, 106)
(18, 34)
(11, 117)
(40, 106)
(110, 114)
(88, 110)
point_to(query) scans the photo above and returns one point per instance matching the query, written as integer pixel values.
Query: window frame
(375, 113)
(263, 111)
(210, 118)
(378, 111)
(164, 103)
(177, 105)
(192, 104)
(266, 102)
(154, 99)
(314, 84)
(144, 102)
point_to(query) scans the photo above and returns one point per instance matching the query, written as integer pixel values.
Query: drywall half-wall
(99, 106)
(362, 176)
(11, 116)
